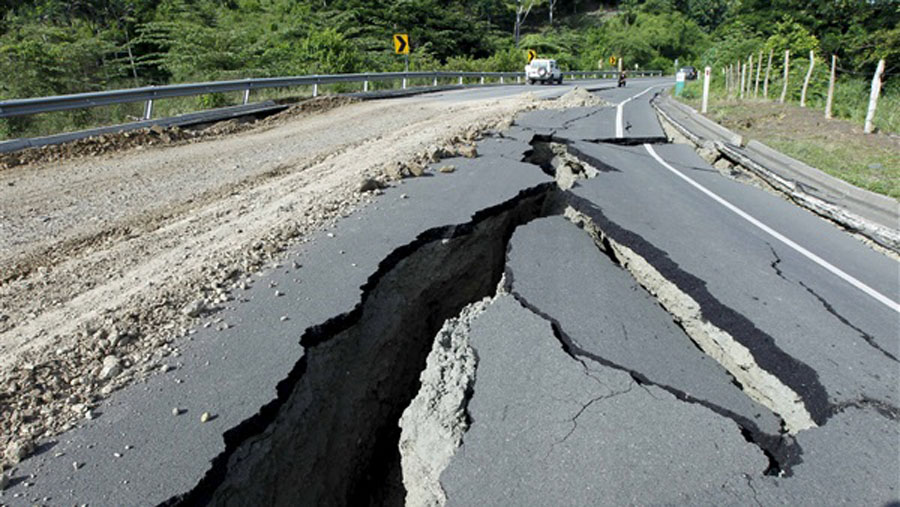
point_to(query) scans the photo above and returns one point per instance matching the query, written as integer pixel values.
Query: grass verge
(837, 147)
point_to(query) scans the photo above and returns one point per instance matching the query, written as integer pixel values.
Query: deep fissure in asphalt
(330, 437)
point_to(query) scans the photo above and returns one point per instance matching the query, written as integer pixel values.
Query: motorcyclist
(622, 76)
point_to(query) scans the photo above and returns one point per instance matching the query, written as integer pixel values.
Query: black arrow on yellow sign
(401, 43)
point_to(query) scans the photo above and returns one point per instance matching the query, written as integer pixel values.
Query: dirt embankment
(161, 136)
(108, 259)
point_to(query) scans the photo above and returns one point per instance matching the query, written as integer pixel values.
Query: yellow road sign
(532, 54)
(612, 60)
(401, 43)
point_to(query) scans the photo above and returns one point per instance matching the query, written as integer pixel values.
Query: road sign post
(401, 47)
(706, 73)
(679, 83)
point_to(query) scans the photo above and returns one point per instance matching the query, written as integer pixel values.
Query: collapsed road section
(489, 335)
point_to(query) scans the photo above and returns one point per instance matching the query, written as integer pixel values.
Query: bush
(212, 100)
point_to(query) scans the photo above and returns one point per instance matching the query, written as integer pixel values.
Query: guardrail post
(404, 82)
(365, 86)
(246, 96)
(460, 80)
(148, 109)
(482, 79)
(315, 89)
(518, 79)
(435, 81)
(501, 79)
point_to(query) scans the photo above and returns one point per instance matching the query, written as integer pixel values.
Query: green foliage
(733, 42)
(212, 100)
(791, 35)
(709, 14)
(329, 52)
(654, 39)
(45, 59)
(52, 60)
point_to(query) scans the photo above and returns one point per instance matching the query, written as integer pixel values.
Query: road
(657, 333)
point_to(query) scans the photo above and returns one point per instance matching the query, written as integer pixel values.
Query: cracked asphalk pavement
(630, 445)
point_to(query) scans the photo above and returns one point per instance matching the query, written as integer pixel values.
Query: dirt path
(106, 262)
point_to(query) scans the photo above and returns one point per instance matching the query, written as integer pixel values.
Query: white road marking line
(775, 234)
(620, 128)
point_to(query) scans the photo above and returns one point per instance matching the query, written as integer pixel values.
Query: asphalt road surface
(663, 334)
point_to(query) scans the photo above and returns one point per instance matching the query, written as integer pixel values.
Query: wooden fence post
(749, 74)
(766, 81)
(812, 62)
(830, 98)
(728, 78)
(730, 84)
(743, 72)
(873, 98)
(734, 79)
(758, 68)
(706, 77)
(787, 63)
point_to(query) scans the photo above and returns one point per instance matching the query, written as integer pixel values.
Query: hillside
(56, 47)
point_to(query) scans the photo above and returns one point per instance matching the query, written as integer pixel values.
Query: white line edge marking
(775, 234)
(620, 129)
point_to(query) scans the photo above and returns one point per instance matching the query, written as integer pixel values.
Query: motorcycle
(622, 80)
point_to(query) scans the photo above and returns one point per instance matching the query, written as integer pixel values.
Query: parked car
(689, 72)
(545, 71)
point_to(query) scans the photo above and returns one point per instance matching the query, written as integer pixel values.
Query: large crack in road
(334, 427)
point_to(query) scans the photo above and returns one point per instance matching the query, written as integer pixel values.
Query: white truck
(545, 71)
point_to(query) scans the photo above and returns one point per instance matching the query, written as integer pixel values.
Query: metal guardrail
(24, 107)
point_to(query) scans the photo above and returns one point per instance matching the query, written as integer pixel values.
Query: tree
(522, 8)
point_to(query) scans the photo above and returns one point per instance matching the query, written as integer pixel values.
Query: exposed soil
(154, 136)
(108, 257)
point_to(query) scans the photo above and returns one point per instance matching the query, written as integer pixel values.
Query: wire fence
(813, 81)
